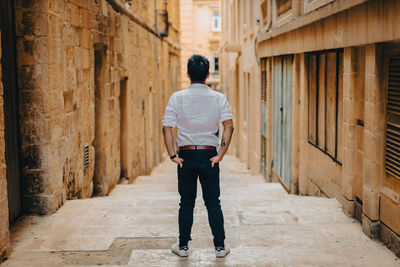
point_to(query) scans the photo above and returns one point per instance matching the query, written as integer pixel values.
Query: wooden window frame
(315, 143)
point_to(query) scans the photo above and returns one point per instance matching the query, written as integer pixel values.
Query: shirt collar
(198, 86)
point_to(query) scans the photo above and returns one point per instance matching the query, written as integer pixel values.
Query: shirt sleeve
(225, 111)
(170, 113)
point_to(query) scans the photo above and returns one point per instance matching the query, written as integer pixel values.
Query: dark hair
(198, 67)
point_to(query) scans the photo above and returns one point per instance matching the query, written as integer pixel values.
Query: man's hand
(215, 159)
(178, 161)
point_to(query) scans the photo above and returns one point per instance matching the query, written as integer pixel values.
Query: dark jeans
(197, 164)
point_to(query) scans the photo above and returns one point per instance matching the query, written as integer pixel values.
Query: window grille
(392, 154)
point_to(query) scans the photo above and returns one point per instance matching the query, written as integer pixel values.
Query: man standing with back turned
(196, 112)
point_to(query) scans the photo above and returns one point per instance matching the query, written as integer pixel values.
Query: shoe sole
(177, 253)
(223, 255)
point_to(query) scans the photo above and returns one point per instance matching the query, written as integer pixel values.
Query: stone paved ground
(137, 223)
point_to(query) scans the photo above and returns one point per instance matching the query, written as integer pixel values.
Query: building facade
(240, 76)
(90, 82)
(200, 34)
(328, 95)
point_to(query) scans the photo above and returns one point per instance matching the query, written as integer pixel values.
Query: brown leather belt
(197, 147)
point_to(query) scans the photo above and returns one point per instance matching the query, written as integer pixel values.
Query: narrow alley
(302, 100)
(137, 223)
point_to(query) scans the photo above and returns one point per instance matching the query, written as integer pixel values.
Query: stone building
(85, 85)
(200, 34)
(240, 76)
(326, 95)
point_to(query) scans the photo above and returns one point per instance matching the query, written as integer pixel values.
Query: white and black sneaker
(221, 252)
(180, 251)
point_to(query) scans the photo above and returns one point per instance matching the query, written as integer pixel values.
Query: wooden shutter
(393, 120)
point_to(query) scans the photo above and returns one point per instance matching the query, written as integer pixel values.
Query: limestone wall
(5, 248)
(241, 79)
(89, 78)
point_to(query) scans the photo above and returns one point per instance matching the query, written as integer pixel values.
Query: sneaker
(180, 251)
(221, 252)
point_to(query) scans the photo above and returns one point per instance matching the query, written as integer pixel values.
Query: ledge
(309, 18)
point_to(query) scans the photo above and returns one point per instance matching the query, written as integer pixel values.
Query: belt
(197, 147)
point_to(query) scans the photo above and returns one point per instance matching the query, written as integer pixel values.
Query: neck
(204, 82)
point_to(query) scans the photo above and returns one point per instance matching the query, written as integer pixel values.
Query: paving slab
(137, 223)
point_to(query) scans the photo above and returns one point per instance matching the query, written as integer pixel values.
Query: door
(264, 117)
(99, 143)
(124, 151)
(10, 98)
(282, 117)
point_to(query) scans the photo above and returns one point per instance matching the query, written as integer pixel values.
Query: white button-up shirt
(196, 112)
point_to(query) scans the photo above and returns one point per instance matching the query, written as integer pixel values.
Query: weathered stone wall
(85, 72)
(5, 248)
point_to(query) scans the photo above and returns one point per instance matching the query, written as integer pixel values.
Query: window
(392, 155)
(216, 63)
(325, 94)
(283, 6)
(216, 21)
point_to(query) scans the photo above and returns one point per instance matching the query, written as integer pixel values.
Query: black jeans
(197, 164)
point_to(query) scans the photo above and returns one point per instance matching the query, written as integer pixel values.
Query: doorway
(99, 179)
(282, 119)
(123, 127)
(10, 98)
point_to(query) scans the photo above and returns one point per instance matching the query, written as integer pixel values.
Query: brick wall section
(62, 111)
(5, 248)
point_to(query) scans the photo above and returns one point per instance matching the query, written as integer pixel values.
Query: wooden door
(10, 98)
(282, 118)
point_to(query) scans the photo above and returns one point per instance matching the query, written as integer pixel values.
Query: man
(196, 112)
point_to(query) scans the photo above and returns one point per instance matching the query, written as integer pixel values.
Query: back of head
(198, 68)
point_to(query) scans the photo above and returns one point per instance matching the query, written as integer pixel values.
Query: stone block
(373, 146)
(85, 38)
(350, 63)
(31, 157)
(37, 204)
(74, 12)
(348, 182)
(30, 132)
(30, 77)
(349, 109)
(374, 91)
(34, 182)
(372, 173)
(390, 213)
(5, 246)
(371, 228)
(86, 17)
(349, 161)
(390, 239)
(374, 58)
(348, 206)
(374, 117)
(54, 23)
(4, 224)
(30, 22)
(358, 211)
(371, 203)
(86, 59)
